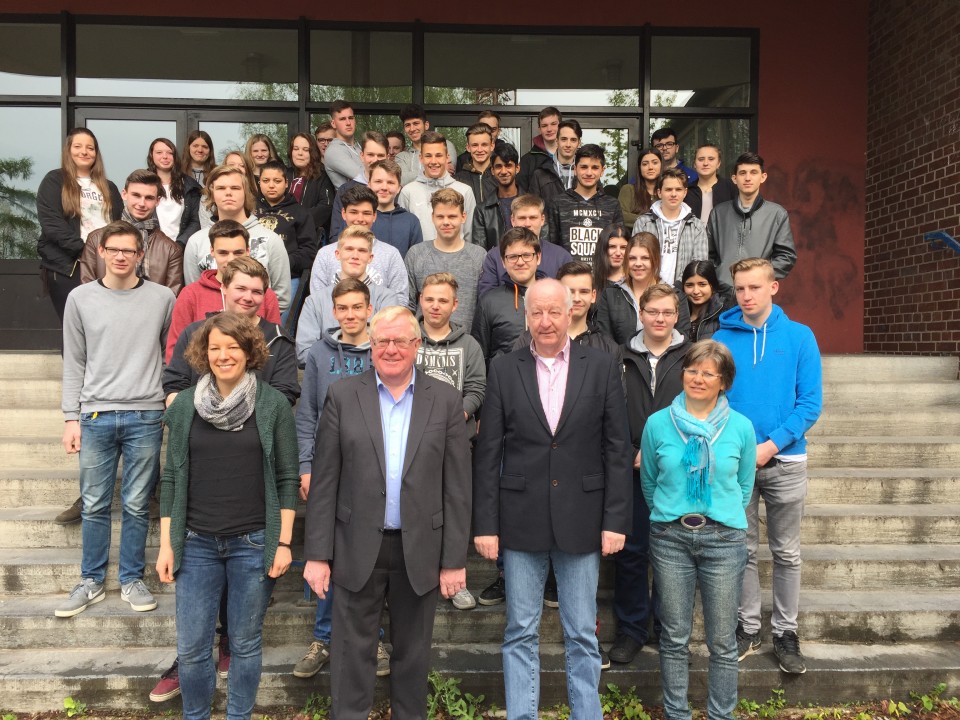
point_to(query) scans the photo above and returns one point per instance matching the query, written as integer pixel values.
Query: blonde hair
(355, 231)
(218, 172)
(752, 264)
(393, 312)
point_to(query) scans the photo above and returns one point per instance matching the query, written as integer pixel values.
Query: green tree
(19, 227)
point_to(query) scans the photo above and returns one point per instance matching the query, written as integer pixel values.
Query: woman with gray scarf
(227, 503)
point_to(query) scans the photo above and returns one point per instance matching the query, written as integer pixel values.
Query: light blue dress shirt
(395, 421)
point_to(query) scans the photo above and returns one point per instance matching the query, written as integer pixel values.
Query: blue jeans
(207, 563)
(524, 574)
(714, 558)
(104, 437)
(323, 621)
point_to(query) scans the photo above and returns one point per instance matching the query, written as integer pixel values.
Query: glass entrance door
(229, 129)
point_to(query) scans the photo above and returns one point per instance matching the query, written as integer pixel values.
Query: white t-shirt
(169, 212)
(91, 207)
(669, 248)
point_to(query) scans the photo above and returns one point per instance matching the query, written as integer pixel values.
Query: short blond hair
(356, 231)
(442, 278)
(660, 290)
(393, 312)
(752, 264)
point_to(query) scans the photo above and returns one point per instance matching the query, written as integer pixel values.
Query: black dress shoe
(624, 649)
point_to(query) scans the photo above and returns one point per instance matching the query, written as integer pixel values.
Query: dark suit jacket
(347, 497)
(538, 491)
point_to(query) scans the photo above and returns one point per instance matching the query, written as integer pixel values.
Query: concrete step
(842, 524)
(886, 394)
(933, 421)
(31, 366)
(49, 571)
(31, 422)
(879, 451)
(34, 681)
(892, 368)
(44, 452)
(30, 392)
(827, 615)
(880, 485)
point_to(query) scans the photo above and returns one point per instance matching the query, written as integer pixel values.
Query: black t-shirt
(225, 495)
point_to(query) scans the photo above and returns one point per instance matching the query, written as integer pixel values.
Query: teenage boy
(492, 217)
(492, 120)
(499, 319)
(354, 252)
(665, 140)
(653, 375)
(449, 353)
(396, 143)
(750, 226)
(578, 216)
(360, 208)
(279, 211)
(544, 146)
(448, 252)
(415, 124)
(476, 172)
(526, 211)
(554, 178)
(162, 256)
(682, 236)
(779, 388)
(343, 350)
(394, 225)
(373, 147)
(228, 240)
(415, 196)
(229, 193)
(342, 158)
(245, 286)
(114, 330)
(710, 189)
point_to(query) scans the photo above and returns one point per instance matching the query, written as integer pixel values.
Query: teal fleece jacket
(278, 436)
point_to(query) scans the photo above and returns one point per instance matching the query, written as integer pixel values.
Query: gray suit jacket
(347, 498)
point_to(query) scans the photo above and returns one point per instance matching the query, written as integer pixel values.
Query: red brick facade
(912, 288)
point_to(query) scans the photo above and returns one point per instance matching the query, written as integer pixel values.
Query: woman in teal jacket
(698, 460)
(227, 504)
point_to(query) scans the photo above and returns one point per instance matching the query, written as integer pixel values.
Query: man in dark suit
(389, 511)
(552, 482)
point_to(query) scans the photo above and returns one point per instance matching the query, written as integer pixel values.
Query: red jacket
(202, 297)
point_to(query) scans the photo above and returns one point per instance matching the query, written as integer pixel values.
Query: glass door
(229, 129)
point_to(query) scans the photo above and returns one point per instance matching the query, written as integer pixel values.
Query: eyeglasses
(518, 257)
(324, 141)
(665, 145)
(126, 252)
(400, 343)
(708, 376)
(667, 314)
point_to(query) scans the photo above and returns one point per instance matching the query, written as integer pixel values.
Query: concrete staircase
(880, 612)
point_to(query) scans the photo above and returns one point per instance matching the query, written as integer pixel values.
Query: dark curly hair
(245, 331)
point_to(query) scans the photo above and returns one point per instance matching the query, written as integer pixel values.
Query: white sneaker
(464, 600)
(88, 592)
(138, 596)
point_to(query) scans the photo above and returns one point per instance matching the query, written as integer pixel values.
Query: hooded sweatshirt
(652, 381)
(327, 361)
(294, 224)
(499, 319)
(200, 298)
(398, 228)
(265, 246)
(576, 222)
(779, 381)
(386, 268)
(682, 240)
(456, 360)
(415, 197)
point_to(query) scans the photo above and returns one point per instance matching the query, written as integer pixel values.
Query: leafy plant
(74, 708)
(561, 711)
(769, 709)
(619, 704)
(896, 708)
(317, 707)
(447, 699)
(9, 716)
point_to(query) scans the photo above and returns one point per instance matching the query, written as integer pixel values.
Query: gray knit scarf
(145, 227)
(231, 412)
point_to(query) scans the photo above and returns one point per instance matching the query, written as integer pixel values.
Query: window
(362, 66)
(29, 59)
(732, 136)
(187, 62)
(703, 72)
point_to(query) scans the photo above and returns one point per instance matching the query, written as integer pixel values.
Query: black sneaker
(604, 660)
(624, 649)
(493, 594)
(747, 644)
(787, 649)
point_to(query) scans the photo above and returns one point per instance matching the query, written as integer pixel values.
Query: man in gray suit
(389, 512)
(552, 483)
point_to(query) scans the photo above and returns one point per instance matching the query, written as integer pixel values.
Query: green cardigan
(278, 435)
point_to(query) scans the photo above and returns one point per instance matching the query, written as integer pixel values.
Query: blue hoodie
(779, 380)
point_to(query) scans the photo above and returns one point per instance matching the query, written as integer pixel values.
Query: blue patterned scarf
(699, 436)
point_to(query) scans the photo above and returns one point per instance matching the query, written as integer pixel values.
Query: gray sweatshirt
(113, 344)
(415, 198)
(465, 265)
(385, 268)
(456, 360)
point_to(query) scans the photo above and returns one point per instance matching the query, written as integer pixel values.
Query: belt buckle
(693, 521)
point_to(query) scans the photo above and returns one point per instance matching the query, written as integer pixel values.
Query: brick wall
(912, 288)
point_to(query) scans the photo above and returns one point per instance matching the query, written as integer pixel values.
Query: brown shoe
(71, 514)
